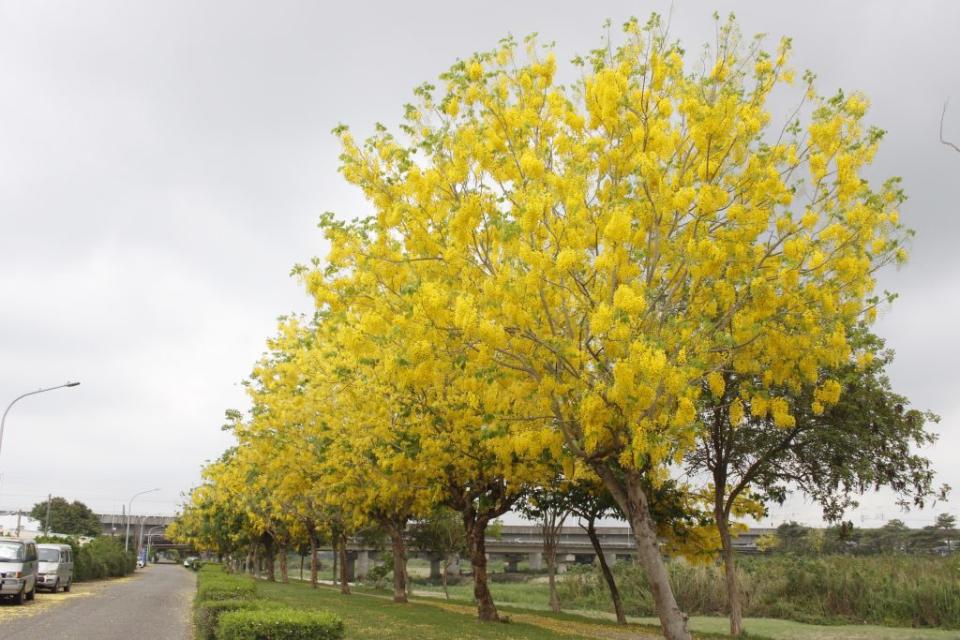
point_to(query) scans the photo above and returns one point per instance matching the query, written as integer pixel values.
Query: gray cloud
(162, 165)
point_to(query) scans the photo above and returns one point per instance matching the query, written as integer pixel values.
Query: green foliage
(70, 518)
(940, 538)
(882, 589)
(102, 557)
(377, 575)
(207, 614)
(70, 540)
(441, 534)
(279, 624)
(832, 452)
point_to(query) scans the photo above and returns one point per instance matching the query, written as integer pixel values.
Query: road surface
(153, 603)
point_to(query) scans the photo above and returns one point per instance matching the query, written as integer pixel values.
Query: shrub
(207, 614)
(233, 589)
(102, 557)
(213, 583)
(279, 624)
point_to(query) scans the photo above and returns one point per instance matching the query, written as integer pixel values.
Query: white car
(18, 569)
(56, 567)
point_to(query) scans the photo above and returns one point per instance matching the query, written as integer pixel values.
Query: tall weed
(897, 590)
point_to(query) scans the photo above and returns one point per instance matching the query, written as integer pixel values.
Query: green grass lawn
(519, 596)
(528, 594)
(370, 617)
(790, 630)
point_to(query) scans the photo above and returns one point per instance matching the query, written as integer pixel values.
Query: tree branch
(942, 141)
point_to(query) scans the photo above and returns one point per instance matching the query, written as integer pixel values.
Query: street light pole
(126, 537)
(150, 534)
(3, 420)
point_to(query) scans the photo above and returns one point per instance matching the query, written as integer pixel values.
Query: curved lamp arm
(3, 420)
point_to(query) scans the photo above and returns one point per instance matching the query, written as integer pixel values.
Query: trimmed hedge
(279, 624)
(213, 583)
(226, 591)
(207, 614)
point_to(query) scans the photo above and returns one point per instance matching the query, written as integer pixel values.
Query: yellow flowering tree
(209, 521)
(375, 450)
(612, 246)
(428, 410)
(832, 454)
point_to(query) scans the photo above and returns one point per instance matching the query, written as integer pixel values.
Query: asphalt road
(153, 604)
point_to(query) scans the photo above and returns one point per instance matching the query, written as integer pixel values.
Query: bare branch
(946, 142)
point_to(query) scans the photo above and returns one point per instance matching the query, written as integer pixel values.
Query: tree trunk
(399, 565)
(553, 519)
(271, 559)
(730, 575)
(550, 551)
(443, 575)
(629, 493)
(284, 576)
(335, 544)
(302, 560)
(406, 573)
(314, 560)
(255, 564)
(477, 545)
(607, 573)
(344, 566)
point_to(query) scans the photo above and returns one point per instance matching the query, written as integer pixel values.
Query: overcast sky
(163, 165)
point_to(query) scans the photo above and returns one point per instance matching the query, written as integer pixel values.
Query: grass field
(372, 615)
(790, 630)
(513, 597)
(369, 617)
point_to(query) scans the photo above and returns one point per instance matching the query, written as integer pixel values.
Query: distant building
(13, 525)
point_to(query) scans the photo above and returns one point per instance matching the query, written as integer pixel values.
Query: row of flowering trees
(594, 284)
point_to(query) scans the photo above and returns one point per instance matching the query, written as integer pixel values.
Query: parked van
(56, 567)
(18, 569)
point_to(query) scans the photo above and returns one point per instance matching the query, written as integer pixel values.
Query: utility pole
(19, 513)
(46, 526)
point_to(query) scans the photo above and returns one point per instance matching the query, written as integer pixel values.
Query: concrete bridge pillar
(564, 560)
(363, 564)
(535, 560)
(434, 568)
(351, 566)
(453, 565)
(513, 562)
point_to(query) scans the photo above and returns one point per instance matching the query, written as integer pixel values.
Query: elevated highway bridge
(144, 530)
(524, 543)
(515, 544)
